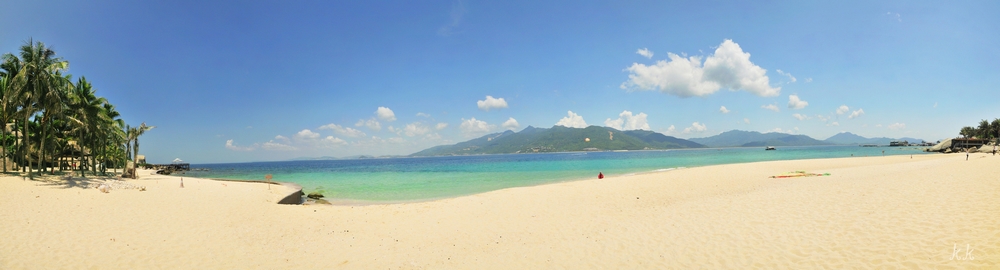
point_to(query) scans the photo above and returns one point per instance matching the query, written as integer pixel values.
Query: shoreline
(358, 202)
(875, 212)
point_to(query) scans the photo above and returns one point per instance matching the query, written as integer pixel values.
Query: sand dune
(877, 212)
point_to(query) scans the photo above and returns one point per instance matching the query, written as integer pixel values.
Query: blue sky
(274, 80)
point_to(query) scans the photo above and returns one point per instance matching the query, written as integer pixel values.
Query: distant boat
(769, 148)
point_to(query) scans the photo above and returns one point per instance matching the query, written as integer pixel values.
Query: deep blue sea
(409, 179)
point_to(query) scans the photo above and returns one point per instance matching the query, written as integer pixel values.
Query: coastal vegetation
(53, 121)
(986, 130)
(560, 139)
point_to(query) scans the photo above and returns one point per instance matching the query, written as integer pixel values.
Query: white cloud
(345, 131)
(645, 53)
(420, 114)
(800, 117)
(572, 120)
(791, 78)
(370, 123)
(281, 138)
(897, 126)
(331, 141)
(723, 109)
(491, 103)
(771, 107)
(746, 120)
(670, 130)
(440, 126)
(306, 135)
(695, 127)
(627, 121)
(896, 16)
(843, 109)
(729, 67)
(232, 146)
(878, 125)
(795, 103)
(275, 146)
(473, 126)
(935, 104)
(385, 114)
(457, 12)
(415, 129)
(833, 124)
(822, 118)
(809, 80)
(856, 114)
(511, 124)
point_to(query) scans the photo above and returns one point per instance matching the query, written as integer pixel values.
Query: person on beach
(600, 175)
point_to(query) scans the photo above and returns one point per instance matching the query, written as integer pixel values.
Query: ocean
(425, 178)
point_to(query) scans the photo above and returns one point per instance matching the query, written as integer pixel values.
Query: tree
(983, 131)
(995, 128)
(967, 132)
(41, 83)
(133, 135)
(8, 108)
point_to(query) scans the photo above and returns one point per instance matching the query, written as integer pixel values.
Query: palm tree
(983, 131)
(41, 82)
(86, 111)
(967, 132)
(995, 128)
(133, 135)
(8, 108)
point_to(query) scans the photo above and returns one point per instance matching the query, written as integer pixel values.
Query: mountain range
(560, 139)
(595, 138)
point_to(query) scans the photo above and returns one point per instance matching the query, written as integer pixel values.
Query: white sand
(877, 212)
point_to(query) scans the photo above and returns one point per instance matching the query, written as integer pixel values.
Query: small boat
(769, 148)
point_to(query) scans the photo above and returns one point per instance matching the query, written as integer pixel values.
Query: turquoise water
(406, 179)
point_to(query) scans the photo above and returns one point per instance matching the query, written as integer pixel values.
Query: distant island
(596, 138)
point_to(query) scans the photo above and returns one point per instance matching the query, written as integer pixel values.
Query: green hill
(752, 138)
(560, 139)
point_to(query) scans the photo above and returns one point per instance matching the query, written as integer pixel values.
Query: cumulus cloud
(473, 126)
(572, 120)
(345, 131)
(491, 103)
(331, 141)
(822, 118)
(511, 124)
(276, 146)
(833, 124)
(645, 52)
(795, 103)
(385, 114)
(627, 121)
(800, 117)
(856, 114)
(670, 130)
(695, 127)
(415, 129)
(771, 107)
(843, 109)
(281, 138)
(746, 120)
(306, 135)
(791, 78)
(232, 146)
(809, 80)
(723, 109)
(440, 126)
(896, 16)
(372, 124)
(729, 67)
(897, 126)
(420, 114)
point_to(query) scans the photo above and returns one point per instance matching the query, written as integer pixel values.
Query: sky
(250, 81)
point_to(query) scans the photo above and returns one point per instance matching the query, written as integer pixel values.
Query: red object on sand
(600, 175)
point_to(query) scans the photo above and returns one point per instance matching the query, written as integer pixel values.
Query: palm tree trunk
(135, 159)
(4, 147)
(26, 145)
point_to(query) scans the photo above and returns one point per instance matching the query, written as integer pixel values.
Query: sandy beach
(929, 211)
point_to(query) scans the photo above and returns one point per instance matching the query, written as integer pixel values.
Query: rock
(315, 195)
